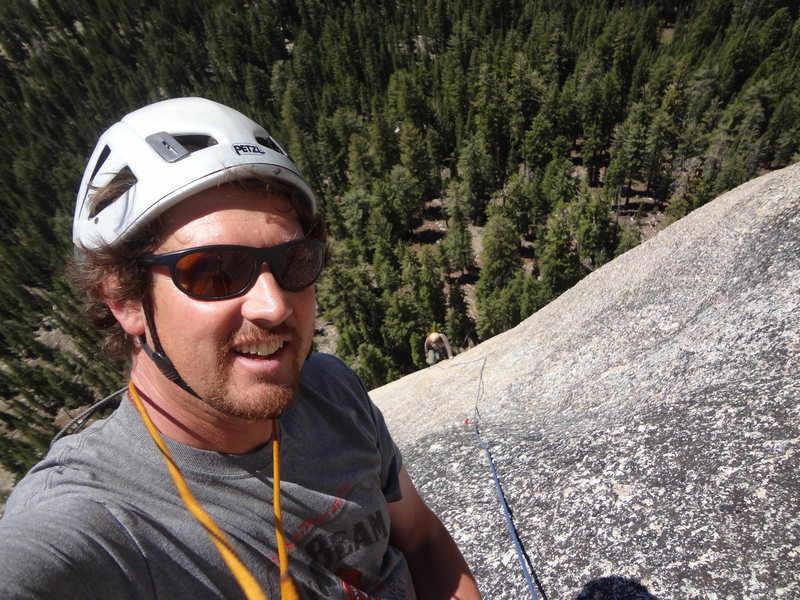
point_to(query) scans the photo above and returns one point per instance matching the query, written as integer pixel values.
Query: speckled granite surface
(645, 425)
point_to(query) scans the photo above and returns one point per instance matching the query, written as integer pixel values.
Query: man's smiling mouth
(260, 349)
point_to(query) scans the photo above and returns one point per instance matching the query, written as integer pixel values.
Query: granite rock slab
(644, 426)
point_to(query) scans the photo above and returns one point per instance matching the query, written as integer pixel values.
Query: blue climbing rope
(522, 556)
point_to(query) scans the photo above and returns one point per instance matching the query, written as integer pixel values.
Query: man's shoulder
(56, 545)
(329, 389)
(52, 519)
(77, 469)
(321, 360)
(326, 370)
(33, 506)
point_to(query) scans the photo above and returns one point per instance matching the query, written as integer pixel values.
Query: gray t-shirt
(100, 516)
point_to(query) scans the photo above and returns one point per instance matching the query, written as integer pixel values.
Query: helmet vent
(111, 192)
(196, 142)
(271, 144)
(100, 161)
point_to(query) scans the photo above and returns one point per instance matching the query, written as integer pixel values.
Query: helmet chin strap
(157, 354)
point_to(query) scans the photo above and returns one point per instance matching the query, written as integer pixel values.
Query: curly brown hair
(91, 269)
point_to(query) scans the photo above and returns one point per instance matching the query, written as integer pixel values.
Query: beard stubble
(271, 404)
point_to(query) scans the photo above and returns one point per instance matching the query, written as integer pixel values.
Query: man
(436, 346)
(240, 464)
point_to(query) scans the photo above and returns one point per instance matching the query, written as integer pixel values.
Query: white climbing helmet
(152, 144)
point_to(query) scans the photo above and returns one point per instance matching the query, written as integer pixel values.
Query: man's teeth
(263, 349)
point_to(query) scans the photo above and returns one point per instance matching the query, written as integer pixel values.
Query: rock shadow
(614, 588)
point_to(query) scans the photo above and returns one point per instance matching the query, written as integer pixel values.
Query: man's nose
(266, 301)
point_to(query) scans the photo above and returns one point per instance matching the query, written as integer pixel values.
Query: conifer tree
(628, 237)
(499, 254)
(475, 170)
(559, 262)
(400, 192)
(385, 265)
(627, 153)
(525, 91)
(595, 236)
(504, 308)
(348, 299)
(537, 147)
(416, 158)
(458, 324)
(458, 239)
(519, 200)
(432, 306)
(373, 367)
(559, 185)
(491, 124)
(400, 330)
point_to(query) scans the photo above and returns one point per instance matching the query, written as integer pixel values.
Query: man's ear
(129, 313)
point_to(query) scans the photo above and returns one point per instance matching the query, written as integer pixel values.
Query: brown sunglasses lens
(215, 274)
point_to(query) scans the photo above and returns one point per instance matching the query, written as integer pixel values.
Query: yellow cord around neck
(241, 573)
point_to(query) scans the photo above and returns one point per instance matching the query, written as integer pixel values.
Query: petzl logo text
(247, 149)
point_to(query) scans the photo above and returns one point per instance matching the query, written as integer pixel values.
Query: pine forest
(474, 159)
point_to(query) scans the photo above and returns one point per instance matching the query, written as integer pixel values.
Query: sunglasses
(225, 271)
